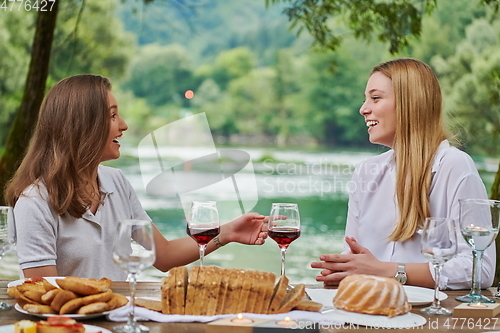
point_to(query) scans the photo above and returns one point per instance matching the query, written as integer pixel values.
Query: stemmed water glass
(133, 251)
(203, 224)
(7, 238)
(438, 244)
(479, 221)
(284, 227)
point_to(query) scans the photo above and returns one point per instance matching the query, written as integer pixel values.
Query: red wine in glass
(202, 235)
(203, 224)
(284, 236)
(284, 227)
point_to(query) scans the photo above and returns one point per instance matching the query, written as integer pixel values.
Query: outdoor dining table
(152, 289)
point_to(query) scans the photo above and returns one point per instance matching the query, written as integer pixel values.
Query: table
(152, 289)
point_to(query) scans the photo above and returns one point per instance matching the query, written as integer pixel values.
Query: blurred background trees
(258, 81)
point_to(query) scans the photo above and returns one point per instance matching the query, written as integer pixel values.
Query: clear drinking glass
(284, 227)
(203, 224)
(133, 251)
(7, 238)
(479, 220)
(439, 244)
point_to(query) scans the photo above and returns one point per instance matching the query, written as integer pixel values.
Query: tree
(21, 130)
(397, 22)
(15, 44)
(393, 21)
(95, 48)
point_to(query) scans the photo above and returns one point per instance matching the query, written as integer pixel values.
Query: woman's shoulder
(112, 178)
(451, 157)
(450, 153)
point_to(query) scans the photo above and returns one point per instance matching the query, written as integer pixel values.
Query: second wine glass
(7, 237)
(479, 222)
(203, 224)
(284, 227)
(438, 244)
(133, 251)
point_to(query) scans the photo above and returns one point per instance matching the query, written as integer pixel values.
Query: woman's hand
(358, 261)
(250, 228)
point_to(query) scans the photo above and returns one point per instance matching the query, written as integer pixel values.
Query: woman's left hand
(250, 228)
(338, 266)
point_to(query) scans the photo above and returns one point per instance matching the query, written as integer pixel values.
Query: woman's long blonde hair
(67, 145)
(419, 131)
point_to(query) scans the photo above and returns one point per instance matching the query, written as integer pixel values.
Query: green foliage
(89, 39)
(228, 66)
(207, 28)
(15, 44)
(394, 22)
(161, 74)
(94, 43)
(471, 86)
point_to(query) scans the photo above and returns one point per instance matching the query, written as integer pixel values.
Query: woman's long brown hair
(67, 144)
(419, 131)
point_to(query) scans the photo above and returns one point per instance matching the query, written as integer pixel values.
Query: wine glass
(7, 237)
(284, 227)
(203, 224)
(133, 251)
(479, 219)
(438, 244)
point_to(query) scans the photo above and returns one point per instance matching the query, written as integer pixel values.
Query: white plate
(416, 295)
(52, 280)
(372, 321)
(422, 296)
(88, 328)
(69, 315)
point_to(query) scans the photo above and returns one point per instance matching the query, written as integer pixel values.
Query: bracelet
(217, 242)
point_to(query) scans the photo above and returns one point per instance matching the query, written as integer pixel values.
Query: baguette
(83, 286)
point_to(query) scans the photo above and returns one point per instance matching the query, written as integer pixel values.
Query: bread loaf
(211, 290)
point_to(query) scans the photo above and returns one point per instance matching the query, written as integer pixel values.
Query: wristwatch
(401, 276)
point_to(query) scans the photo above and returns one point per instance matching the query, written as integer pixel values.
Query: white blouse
(372, 212)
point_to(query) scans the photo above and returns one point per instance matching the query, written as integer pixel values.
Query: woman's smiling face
(116, 128)
(379, 110)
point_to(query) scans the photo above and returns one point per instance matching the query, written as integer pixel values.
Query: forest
(259, 82)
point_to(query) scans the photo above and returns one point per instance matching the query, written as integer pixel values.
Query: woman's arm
(248, 229)
(41, 271)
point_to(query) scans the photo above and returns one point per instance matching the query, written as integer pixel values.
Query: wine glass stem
(476, 273)
(436, 303)
(132, 278)
(202, 253)
(283, 254)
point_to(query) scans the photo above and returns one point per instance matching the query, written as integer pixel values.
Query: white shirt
(372, 212)
(77, 247)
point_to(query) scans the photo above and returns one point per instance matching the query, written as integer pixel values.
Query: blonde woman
(392, 193)
(67, 205)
